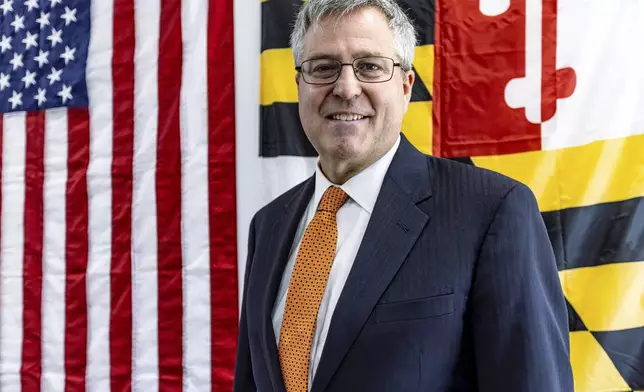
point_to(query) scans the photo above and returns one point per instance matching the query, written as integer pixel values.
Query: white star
(6, 6)
(42, 58)
(16, 61)
(54, 76)
(54, 2)
(31, 4)
(68, 55)
(40, 97)
(16, 99)
(66, 93)
(43, 20)
(30, 40)
(4, 81)
(29, 79)
(55, 37)
(69, 16)
(5, 43)
(18, 23)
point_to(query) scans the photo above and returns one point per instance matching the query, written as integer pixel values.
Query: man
(389, 270)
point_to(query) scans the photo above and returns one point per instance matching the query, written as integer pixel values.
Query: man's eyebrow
(367, 53)
(320, 55)
(361, 53)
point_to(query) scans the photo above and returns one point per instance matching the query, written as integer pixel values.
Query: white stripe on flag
(145, 348)
(194, 222)
(11, 261)
(54, 267)
(99, 193)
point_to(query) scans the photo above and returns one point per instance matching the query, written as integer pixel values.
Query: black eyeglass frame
(395, 64)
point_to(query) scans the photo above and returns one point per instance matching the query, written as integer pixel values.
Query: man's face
(356, 143)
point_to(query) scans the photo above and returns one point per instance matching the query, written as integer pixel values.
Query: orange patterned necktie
(305, 290)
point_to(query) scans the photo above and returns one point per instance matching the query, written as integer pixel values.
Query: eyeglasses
(371, 69)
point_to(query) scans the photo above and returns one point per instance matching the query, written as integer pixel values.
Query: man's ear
(297, 78)
(410, 77)
(408, 84)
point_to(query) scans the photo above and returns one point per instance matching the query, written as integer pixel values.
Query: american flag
(118, 263)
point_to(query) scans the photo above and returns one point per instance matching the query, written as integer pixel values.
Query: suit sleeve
(244, 381)
(519, 316)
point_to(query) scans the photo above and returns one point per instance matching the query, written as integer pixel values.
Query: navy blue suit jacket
(454, 288)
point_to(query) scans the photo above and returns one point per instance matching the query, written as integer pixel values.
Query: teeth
(347, 117)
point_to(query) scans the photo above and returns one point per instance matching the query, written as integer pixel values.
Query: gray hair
(312, 11)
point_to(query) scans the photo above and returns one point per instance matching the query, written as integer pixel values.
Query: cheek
(394, 105)
(310, 97)
(383, 101)
(384, 109)
(306, 114)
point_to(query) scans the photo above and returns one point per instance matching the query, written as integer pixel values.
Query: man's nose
(347, 86)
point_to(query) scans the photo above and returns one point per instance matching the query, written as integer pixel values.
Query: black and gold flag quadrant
(591, 198)
(281, 133)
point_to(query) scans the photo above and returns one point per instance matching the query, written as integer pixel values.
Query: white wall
(247, 22)
(259, 180)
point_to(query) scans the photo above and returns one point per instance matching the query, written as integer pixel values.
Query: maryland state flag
(550, 93)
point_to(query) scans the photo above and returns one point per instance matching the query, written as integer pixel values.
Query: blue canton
(43, 54)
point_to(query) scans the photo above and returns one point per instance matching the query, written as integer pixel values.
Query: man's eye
(324, 68)
(369, 67)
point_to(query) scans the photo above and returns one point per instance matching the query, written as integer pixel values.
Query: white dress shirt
(352, 220)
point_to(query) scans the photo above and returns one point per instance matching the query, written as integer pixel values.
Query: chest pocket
(415, 309)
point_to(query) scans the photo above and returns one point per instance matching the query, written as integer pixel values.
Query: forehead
(364, 31)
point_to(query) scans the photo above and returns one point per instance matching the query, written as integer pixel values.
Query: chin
(344, 148)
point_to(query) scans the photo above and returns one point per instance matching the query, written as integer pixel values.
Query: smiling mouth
(345, 117)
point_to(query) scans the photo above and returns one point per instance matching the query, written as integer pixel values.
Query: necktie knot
(332, 200)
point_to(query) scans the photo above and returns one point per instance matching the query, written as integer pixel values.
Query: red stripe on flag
(77, 248)
(168, 190)
(31, 368)
(222, 195)
(122, 178)
(1, 158)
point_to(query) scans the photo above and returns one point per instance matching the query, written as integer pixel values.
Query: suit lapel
(277, 249)
(393, 229)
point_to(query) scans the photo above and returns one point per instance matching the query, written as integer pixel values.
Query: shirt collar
(364, 187)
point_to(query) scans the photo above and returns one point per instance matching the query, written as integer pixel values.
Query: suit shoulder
(469, 180)
(470, 197)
